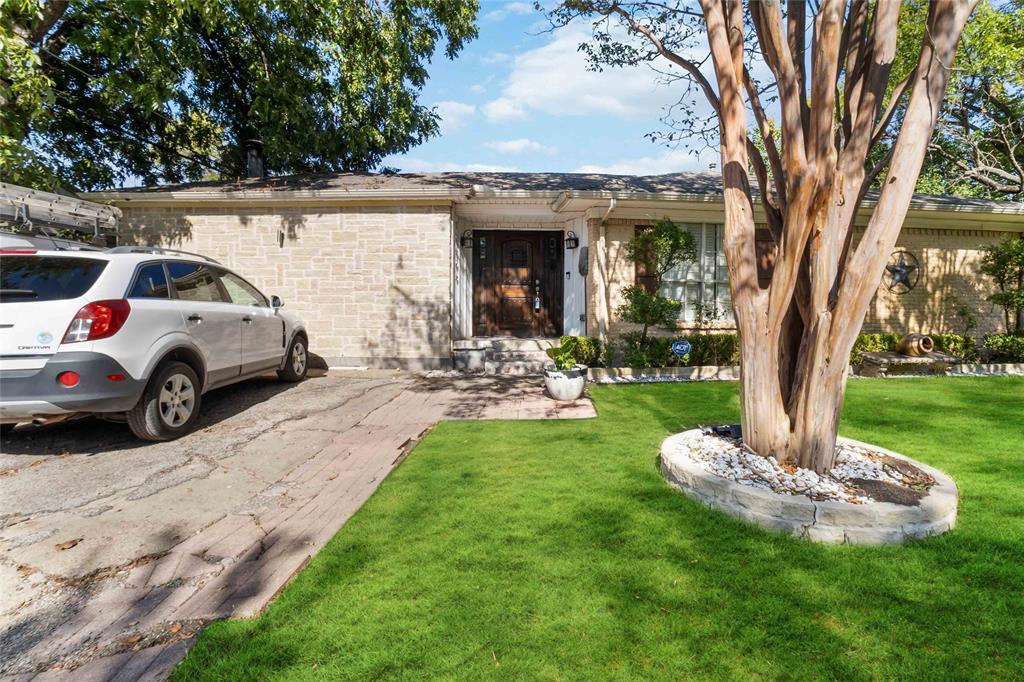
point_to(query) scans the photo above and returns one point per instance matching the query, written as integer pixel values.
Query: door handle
(195, 317)
(247, 319)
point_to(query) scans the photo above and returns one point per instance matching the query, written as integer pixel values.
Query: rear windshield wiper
(26, 293)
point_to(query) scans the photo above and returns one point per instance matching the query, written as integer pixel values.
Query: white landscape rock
(728, 458)
(834, 507)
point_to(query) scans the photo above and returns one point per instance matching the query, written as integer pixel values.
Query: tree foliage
(657, 250)
(95, 92)
(1004, 263)
(978, 145)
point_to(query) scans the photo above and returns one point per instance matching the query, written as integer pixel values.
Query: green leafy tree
(657, 250)
(978, 145)
(1004, 263)
(94, 92)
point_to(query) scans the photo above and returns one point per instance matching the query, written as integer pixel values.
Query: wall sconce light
(571, 240)
(467, 239)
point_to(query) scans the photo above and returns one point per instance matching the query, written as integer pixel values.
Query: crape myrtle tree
(94, 92)
(828, 64)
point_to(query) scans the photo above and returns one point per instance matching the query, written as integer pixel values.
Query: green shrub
(724, 349)
(714, 349)
(1005, 347)
(872, 343)
(652, 351)
(580, 350)
(955, 344)
(705, 349)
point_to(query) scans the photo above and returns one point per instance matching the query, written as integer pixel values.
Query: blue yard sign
(680, 347)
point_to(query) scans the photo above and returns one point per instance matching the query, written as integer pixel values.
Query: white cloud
(504, 109)
(509, 9)
(453, 115)
(553, 79)
(477, 89)
(667, 161)
(496, 58)
(519, 146)
(408, 164)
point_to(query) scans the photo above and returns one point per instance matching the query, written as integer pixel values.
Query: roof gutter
(281, 196)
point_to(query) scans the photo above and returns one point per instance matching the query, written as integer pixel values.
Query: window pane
(25, 278)
(688, 270)
(194, 283)
(240, 291)
(151, 283)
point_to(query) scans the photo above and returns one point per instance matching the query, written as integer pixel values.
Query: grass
(554, 550)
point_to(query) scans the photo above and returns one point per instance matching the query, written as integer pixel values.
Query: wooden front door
(517, 283)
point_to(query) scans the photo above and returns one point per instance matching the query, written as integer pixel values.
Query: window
(240, 291)
(194, 282)
(705, 281)
(150, 283)
(645, 279)
(25, 278)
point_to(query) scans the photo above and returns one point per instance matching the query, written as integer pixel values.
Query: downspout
(604, 299)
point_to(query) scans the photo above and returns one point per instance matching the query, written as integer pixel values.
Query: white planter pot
(565, 384)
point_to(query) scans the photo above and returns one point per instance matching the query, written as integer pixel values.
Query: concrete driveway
(115, 552)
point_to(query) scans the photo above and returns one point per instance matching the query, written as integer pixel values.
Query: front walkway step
(515, 355)
(514, 368)
(503, 343)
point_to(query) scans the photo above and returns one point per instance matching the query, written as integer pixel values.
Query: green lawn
(554, 550)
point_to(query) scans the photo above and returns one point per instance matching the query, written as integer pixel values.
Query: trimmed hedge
(1005, 347)
(705, 349)
(955, 344)
(724, 349)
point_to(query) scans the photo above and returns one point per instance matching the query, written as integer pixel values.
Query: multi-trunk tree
(828, 65)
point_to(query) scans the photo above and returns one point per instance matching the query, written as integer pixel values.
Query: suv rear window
(47, 278)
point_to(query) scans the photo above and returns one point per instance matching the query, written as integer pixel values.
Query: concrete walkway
(114, 553)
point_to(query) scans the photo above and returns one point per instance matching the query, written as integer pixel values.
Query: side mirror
(276, 302)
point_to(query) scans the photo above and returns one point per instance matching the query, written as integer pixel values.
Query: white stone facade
(383, 280)
(373, 283)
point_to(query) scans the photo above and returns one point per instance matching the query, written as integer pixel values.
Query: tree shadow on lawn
(505, 550)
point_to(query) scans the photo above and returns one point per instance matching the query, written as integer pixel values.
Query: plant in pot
(566, 377)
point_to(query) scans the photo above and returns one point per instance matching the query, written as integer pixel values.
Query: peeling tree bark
(797, 329)
(797, 334)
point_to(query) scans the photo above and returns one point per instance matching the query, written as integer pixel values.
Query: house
(419, 270)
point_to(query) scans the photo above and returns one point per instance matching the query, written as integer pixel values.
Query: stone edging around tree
(875, 523)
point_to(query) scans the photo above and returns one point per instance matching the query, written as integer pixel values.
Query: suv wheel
(296, 362)
(169, 406)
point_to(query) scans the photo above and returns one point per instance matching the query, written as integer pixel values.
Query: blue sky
(520, 98)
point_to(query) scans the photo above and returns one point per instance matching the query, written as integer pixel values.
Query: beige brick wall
(949, 261)
(373, 283)
(950, 279)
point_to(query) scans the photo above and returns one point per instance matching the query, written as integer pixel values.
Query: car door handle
(247, 319)
(195, 317)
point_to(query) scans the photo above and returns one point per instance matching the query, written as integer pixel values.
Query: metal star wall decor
(902, 272)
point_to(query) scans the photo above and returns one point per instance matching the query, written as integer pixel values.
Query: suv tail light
(97, 321)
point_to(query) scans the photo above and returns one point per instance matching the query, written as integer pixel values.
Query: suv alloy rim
(177, 399)
(298, 358)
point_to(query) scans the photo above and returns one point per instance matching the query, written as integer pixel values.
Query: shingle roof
(689, 183)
